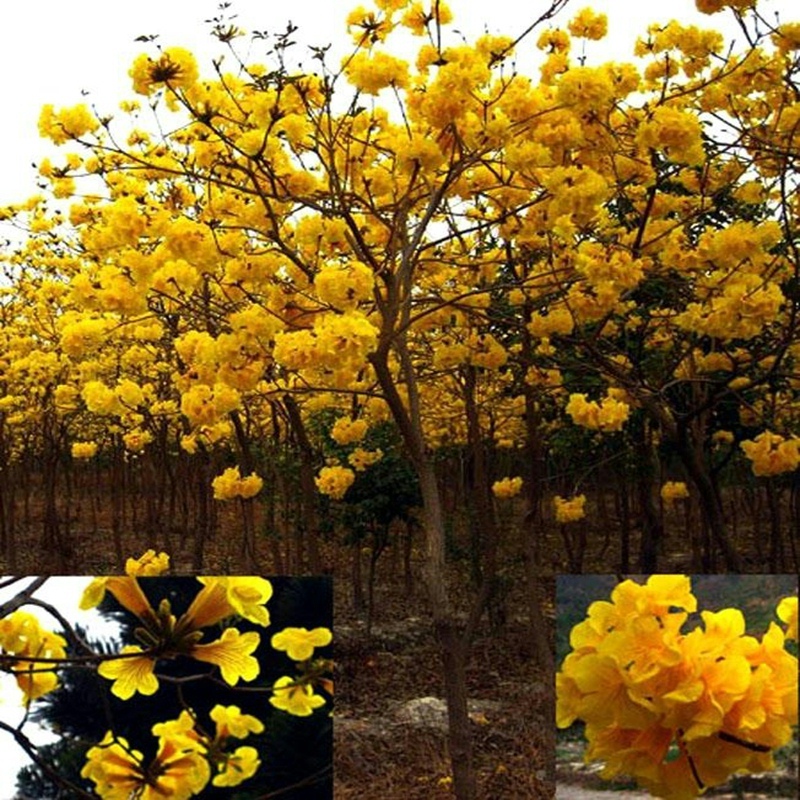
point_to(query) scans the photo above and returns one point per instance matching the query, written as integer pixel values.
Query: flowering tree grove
(445, 245)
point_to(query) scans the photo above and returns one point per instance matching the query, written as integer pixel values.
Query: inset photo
(166, 687)
(672, 686)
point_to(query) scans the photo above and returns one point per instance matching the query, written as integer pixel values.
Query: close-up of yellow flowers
(207, 643)
(678, 710)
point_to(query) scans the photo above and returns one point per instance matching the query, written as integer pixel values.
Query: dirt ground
(377, 757)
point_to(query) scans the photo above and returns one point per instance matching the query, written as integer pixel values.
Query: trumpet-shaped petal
(118, 772)
(231, 653)
(248, 597)
(130, 675)
(295, 698)
(183, 771)
(225, 597)
(238, 766)
(299, 643)
(114, 767)
(125, 588)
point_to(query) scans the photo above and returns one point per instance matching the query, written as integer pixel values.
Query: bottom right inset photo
(676, 686)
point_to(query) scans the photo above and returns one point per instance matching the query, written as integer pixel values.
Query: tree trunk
(308, 527)
(652, 527)
(710, 504)
(453, 647)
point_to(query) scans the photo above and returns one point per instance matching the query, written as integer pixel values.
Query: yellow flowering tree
(476, 255)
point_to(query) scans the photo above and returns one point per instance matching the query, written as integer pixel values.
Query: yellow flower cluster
(136, 440)
(557, 320)
(723, 437)
(347, 431)
(205, 405)
(175, 67)
(81, 335)
(746, 304)
(184, 761)
(371, 72)
(772, 454)
(713, 6)
(680, 712)
(507, 487)
(148, 564)
(117, 770)
(608, 415)
(674, 490)
(418, 17)
(337, 342)
(586, 89)
(231, 484)
(677, 133)
(335, 481)
(100, 399)
(66, 124)
(588, 24)
(83, 449)
(360, 458)
(21, 636)
(570, 510)
(344, 286)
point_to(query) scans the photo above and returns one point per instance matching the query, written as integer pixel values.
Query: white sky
(51, 52)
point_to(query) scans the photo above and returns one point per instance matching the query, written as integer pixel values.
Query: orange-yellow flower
(223, 597)
(231, 653)
(295, 698)
(299, 643)
(130, 675)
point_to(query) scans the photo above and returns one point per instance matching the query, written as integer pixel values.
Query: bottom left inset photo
(164, 686)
